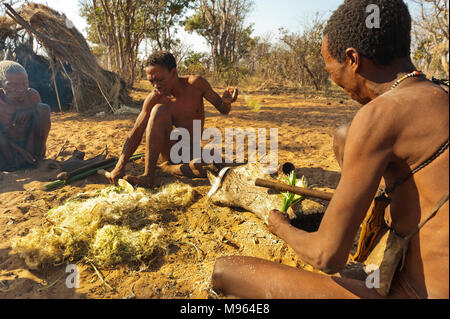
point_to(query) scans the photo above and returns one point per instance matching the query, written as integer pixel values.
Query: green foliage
(430, 50)
(290, 199)
(229, 73)
(195, 63)
(196, 24)
(295, 60)
(223, 27)
(119, 27)
(252, 103)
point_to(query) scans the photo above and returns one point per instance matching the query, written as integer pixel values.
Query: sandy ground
(199, 234)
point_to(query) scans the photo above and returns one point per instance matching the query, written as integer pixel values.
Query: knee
(43, 109)
(160, 114)
(340, 138)
(160, 111)
(44, 112)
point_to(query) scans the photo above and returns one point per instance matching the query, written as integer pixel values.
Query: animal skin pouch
(385, 256)
(388, 249)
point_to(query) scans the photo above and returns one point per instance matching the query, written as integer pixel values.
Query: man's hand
(115, 175)
(230, 96)
(22, 117)
(276, 221)
(30, 159)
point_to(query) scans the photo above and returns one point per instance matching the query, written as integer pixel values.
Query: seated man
(402, 127)
(24, 120)
(176, 102)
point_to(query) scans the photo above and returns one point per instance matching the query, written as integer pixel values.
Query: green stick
(59, 183)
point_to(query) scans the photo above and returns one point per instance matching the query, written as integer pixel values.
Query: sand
(198, 235)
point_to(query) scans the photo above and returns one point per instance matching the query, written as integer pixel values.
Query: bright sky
(268, 16)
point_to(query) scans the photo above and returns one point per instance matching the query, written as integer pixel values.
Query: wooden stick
(56, 88)
(104, 172)
(19, 20)
(63, 148)
(67, 175)
(71, 85)
(293, 189)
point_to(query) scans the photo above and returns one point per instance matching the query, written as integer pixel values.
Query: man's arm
(25, 112)
(367, 153)
(223, 105)
(135, 137)
(7, 147)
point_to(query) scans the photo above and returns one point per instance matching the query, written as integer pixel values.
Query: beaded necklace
(407, 76)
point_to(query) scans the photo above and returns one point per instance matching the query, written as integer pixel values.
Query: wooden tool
(104, 173)
(66, 175)
(293, 189)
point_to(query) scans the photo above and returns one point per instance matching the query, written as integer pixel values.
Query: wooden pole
(71, 85)
(293, 189)
(56, 88)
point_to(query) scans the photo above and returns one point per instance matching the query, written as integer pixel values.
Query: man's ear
(353, 59)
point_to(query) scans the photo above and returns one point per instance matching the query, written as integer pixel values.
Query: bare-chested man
(24, 120)
(176, 102)
(398, 129)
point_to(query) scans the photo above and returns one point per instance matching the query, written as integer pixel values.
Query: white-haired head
(10, 67)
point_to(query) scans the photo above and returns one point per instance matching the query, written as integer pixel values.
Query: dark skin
(394, 132)
(19, 106)
(175, 103)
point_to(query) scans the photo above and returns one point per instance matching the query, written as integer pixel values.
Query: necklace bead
(407, 76)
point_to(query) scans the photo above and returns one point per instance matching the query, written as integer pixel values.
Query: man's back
(414, 119)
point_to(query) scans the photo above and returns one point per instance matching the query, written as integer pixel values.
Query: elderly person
(24, 120)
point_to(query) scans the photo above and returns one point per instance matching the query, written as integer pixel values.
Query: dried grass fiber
(114, 226)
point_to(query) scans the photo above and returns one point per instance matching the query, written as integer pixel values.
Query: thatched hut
(67, 70)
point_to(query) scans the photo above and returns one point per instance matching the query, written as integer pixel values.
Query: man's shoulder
(196, 81)
(377, 108)
(153, 98)
(377, 120)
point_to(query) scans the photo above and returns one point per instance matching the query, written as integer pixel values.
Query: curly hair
(8, 67)
(162, 58)
(347, 28)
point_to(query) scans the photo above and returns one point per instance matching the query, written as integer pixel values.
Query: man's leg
(7, 158)
(157, 142)
(40, 128)
(195, 169)
(254, 278)
(340, 138)
(44, 118)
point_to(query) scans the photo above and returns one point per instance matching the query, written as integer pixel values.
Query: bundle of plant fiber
(114, 226)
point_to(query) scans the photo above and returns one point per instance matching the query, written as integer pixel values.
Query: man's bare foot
(144, 181)
(166, 167)
(192, 170)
